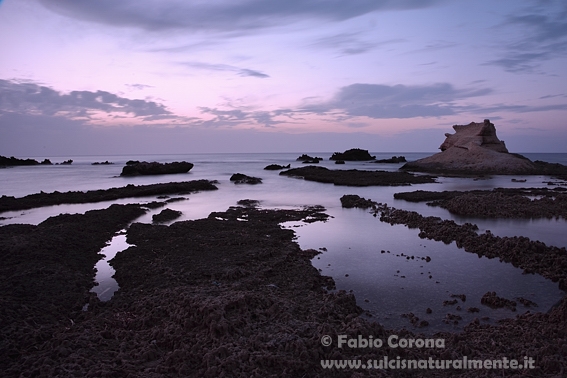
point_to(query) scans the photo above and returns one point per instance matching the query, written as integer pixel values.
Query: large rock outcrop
(474, 149)
(135, 168)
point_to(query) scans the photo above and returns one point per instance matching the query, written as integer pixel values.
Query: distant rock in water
(135, 168)
(239, 178)
(12, 161)
(314, 161)
(276, 167)
(305, 158)
(475, 149)
(392, 160)
(102, 163)
(354, 154)
(66, 162)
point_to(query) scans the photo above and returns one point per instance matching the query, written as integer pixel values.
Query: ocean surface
(387, 285)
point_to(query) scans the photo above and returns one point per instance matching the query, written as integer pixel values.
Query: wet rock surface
(135, 168)
(496, 203)
(354, 177)
(8, 203)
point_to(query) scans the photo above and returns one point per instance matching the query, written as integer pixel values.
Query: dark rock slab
(134, 168)
(354, 177)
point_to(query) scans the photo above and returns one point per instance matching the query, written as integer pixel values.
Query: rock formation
(276, 167)
(354, 154)
(474, 149)
(155, 168)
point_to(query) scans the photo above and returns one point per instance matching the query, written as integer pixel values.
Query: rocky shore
(354, 177)
(496, 203)
(233, 295)
(9, 203)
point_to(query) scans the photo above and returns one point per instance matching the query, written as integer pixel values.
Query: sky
(100, 77)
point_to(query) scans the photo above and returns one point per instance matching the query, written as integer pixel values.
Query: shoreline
(233, 288)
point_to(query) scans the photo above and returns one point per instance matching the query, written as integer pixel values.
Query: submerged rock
(474, 149)
(135, 168)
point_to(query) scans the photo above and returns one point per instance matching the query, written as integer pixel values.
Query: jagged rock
(133, 168)
(275, 167)
(474, 149)
(103, 163)
(240, 178)
(306, 157)
(354, 154)
(12, 161)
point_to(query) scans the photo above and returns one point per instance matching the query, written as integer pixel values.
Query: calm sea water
(385, 284)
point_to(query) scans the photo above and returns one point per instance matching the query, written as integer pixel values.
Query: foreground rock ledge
(225, 297)
(475, 149)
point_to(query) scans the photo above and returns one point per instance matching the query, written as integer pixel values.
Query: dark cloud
(236, 117)
(226, 67)
(397, 101)
(543, 37)
(31, 98)
(221, 15)
(351, 43)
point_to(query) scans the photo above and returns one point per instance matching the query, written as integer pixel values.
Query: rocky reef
(355, 177)
(475, 149)
(135, 168)
(9, 203)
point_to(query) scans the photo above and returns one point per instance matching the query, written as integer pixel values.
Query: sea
(388, 286)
